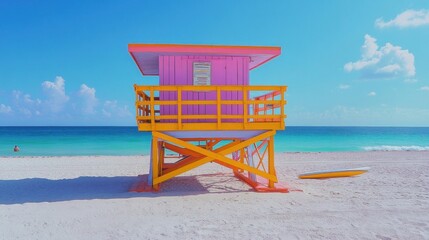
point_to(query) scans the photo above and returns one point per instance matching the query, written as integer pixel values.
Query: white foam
(396, 148)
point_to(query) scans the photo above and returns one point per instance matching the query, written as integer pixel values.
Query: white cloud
(410, 80)
(5, 109)
(344, 86)
(111, 109)
(371, 94)
(409, 18)
(25, 104)
(425, 88)
(388, 61)
(56, 95)
(57, 106)
(89, 101)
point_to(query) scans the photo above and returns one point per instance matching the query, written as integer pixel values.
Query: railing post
(273, 106)
(218, 106)
(179, 108)
(265, 108)
(245, 106)
(152, 108)
(137, 100)
(282, 107)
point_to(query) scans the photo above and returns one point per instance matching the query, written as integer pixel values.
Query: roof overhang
(146, 56)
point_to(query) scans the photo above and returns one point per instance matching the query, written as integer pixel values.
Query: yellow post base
(142, 185)
(261, 184)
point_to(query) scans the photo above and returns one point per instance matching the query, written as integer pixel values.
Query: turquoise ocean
(75, 141)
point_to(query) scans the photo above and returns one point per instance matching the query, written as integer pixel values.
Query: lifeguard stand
(204, 110)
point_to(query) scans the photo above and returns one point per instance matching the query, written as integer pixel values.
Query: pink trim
(146, 55)
(204, 49)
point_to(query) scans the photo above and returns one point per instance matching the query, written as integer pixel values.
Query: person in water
(16, 148)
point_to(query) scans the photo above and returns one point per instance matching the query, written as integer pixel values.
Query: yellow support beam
(282, 106)
(152, 109)
(191, 163)
(213, 155)
(179, 108)
(271, 169)
(155, 159)
(208, 88)
(218, 107)
(161, 151)
(144, 126)
(182, 151)
(207, 116)
(245, 110)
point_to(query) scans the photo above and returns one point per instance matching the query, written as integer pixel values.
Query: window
(202, 73)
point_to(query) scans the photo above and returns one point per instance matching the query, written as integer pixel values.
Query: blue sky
(346, 63)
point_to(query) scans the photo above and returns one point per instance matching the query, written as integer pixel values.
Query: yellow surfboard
(334, 173)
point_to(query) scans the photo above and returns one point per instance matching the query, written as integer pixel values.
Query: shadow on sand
(35, 190)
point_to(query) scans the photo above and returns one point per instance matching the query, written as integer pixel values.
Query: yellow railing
(264, 111)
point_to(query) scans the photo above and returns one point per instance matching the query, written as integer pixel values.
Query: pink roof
(146, 55)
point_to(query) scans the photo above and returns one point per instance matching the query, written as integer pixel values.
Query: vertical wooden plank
(240, 81)
(180, 71)
(189, 78)
(190, 82)
(212, 95)
(282, 107)
(162, 96)
(155, 163)
(201, 95)
(181, 77)
(177, 80)
(161, 150)
(136, 104)
(271, 169)
(195, 96)
(150, 177)
(245, 105)
(221, 80)
(179, 107)
(218, 107)
(171, 80)
(185, 94)
(166, 82)
(246, 61)
(231, 79)
(152, 109)
(272, 108)
(246, 70)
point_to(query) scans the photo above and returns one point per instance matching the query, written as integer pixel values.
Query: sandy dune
(87, 198)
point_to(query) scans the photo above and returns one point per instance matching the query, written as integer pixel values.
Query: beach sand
(87, 198)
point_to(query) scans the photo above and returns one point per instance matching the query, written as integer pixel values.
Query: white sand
(87, 198)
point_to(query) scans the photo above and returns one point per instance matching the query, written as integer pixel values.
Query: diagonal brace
(213, 155)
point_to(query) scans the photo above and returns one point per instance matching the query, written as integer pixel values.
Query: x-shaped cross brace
(206, 156)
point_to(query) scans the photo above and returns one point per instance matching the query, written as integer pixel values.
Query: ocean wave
(396, 148)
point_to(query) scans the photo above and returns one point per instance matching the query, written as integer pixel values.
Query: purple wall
(177, 70)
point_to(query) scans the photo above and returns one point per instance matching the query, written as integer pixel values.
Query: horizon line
(387, 126)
